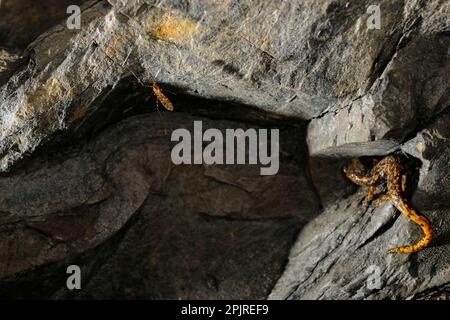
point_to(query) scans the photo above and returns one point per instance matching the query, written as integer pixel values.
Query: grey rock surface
(342, 255)
(432, 147)
(410, 91)
(301, 60)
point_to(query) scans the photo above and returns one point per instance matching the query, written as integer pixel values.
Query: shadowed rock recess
(86, 176)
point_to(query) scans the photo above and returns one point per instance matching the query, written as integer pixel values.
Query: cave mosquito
(157, 91)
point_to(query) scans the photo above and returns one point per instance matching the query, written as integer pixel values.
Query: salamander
(390, 171)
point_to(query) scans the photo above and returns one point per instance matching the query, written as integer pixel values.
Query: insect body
(162, 97)
(390, 171)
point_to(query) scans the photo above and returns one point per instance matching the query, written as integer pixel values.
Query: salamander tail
(426, 229)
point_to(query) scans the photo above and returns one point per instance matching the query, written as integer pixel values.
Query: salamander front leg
(369, 196)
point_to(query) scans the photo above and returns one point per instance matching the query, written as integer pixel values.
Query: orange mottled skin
(390, 171)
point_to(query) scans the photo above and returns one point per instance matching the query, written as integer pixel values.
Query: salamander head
(355, 167)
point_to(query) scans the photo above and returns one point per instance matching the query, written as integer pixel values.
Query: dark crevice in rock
(22, 22)
(422, 126)
(441, 292)
(127, 103)
(128, 99)
(399, 40)
(385, 55)
(211, 217)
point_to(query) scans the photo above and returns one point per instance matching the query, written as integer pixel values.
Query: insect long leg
(161, 117)
(156, 89)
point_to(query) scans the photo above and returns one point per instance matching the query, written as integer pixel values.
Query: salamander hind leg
(383, 198)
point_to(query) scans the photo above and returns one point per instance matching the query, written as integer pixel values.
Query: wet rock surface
(86, 176)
